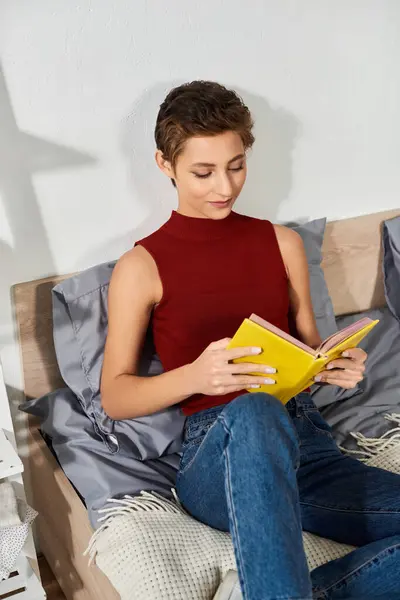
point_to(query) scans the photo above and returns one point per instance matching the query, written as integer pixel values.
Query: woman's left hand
(345, 372)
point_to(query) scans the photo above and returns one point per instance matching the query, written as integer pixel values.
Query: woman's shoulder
(137, 260)
(137, 269)
(287, 236)
(290, 243)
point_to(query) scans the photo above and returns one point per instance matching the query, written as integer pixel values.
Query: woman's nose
(224, 186)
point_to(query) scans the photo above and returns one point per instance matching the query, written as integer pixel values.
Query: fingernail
(270, 370)
(331, 366)
(269, 380)
(256, 350)
(346, 354)
(254, 386)
(318, 378)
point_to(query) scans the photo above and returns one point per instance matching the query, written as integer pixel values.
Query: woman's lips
(221, 204)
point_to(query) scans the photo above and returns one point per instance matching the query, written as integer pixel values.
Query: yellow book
(296, 363)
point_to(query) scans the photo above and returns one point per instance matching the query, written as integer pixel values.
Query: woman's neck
(187, 211)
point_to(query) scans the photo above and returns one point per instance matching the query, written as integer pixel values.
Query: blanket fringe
(372, 447)
(129, 504)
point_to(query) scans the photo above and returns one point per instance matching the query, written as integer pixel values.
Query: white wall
(79, 93)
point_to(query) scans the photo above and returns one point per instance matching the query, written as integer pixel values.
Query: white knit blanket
(151, 549)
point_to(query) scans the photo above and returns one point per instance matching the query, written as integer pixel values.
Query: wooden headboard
(352, 258)
(352, 262)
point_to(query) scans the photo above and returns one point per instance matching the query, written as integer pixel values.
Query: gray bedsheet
(363, 409)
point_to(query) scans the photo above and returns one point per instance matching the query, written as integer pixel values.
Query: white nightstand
(23, 584)
(10, 462)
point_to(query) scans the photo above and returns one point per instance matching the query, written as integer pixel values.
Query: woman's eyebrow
(204, 164)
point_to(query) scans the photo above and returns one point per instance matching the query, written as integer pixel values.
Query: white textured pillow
(13, 538)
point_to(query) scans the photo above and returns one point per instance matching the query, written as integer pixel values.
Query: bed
(352, 255)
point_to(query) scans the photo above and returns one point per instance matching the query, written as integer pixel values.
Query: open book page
(342, 335)
(283, 334)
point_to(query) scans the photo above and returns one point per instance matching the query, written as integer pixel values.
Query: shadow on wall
(269, 179)
(149, 189)
(21, 156)
(29, 256)
(270, 174)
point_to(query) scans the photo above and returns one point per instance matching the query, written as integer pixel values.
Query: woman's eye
(208, 174)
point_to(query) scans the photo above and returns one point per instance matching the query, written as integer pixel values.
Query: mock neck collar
(197, 228)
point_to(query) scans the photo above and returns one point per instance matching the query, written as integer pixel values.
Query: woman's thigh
(253, 438)
(200, 481)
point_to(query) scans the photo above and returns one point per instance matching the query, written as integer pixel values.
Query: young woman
(250, 465)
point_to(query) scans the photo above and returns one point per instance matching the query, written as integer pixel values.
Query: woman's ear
(164, 164)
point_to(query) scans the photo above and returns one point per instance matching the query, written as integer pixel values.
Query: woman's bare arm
(295, 259)
(134, 290)
(345, 372)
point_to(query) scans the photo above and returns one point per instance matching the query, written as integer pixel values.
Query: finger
(241, 352)
(347, 385)
(241, 381)
(220, 344)
(339, 375)
(247, 380)
(357, 354)
(248, 368)
(346, 363)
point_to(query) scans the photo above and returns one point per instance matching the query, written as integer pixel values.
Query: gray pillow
(96, 473)
(363, 408)
(80, 329)
(391, 264)
(312, 234)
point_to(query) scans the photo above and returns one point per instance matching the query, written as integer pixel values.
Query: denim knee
(260, 421)
(258, 411)
(256, 403)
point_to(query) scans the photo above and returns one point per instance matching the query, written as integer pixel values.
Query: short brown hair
(200, 108)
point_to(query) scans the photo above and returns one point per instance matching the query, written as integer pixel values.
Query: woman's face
(209, 174)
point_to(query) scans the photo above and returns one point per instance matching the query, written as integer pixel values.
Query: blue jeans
(266, 472)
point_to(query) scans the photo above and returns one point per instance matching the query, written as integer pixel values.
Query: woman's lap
(340, 497)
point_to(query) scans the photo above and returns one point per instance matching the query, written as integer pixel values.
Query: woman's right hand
(213, 374)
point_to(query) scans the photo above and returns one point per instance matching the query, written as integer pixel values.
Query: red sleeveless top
(214, 273)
